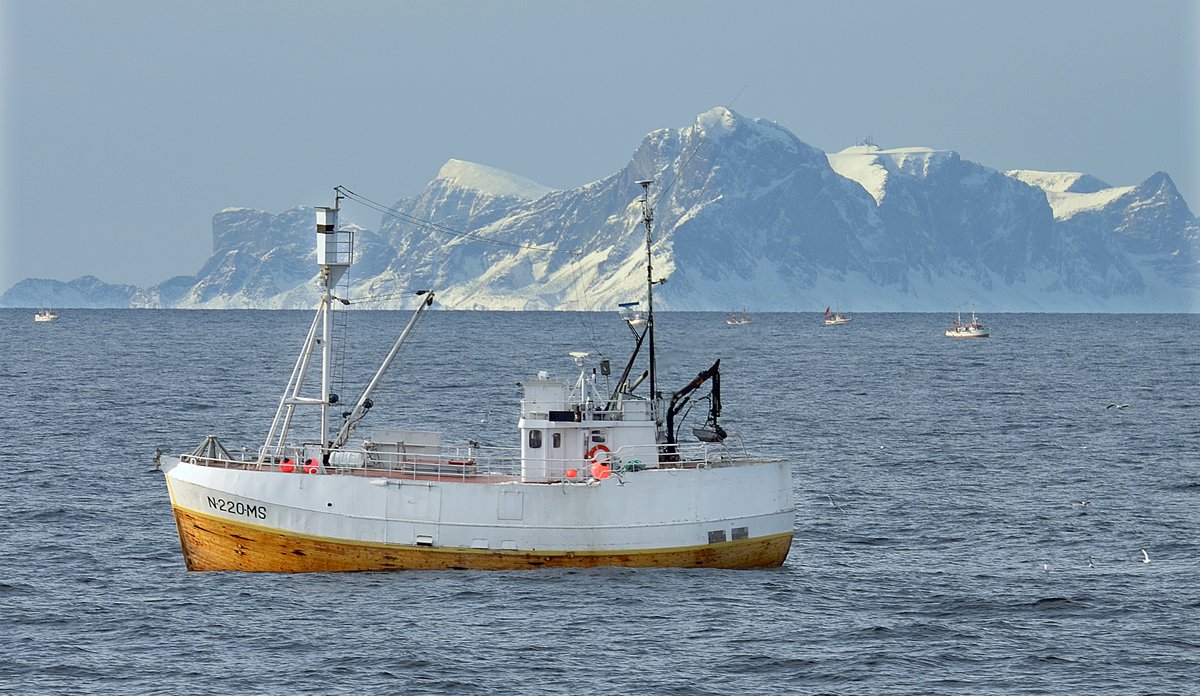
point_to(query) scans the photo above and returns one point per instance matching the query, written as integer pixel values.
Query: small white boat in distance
(45, 315)
(738, 320)
(971, 329)
(835, 318)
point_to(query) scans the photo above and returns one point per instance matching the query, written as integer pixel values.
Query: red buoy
(287, 466)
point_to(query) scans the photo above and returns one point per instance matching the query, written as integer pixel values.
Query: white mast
(335, 251)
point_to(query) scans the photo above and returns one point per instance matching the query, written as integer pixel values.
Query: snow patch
(870, 165)
(490, 180)
(718, 122)
(1066, 205)
(1070, 193)
(1059, 182)
(861, 163)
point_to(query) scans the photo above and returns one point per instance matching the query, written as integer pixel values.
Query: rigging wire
(593, 339)
(445, 229)
(574, 263)
(343, 327)
(678, 173)
(576, 254)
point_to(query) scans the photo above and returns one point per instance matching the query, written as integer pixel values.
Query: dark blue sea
(970, 514)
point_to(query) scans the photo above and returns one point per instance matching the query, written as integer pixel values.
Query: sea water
(970, 514)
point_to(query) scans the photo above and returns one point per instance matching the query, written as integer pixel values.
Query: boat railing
(474, 462)
(463, 462)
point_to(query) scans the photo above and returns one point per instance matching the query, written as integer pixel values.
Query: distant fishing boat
(970, 329)
(600, 476)
(632, 314)
(45, 314)
(735, 319)
(835, 318)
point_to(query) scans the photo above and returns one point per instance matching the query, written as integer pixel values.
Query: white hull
(971, 329)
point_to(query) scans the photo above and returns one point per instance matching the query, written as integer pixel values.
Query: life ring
(593, 454)
(600, 467)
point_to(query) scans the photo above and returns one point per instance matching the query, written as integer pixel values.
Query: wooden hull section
(211, 543)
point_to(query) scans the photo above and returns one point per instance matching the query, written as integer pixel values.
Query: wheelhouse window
(535, 439)
(556, 440)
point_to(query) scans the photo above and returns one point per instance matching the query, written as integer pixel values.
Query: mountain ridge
(747, 214)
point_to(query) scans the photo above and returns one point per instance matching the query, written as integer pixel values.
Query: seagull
(833, 503)
(1145, 556)
(1082, 503)
(1117, 406)
(1091, 564)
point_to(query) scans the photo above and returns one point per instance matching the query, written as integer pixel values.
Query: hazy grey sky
(126, 124)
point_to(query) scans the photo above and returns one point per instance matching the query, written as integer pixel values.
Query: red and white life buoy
(594, 453)
(599, 456)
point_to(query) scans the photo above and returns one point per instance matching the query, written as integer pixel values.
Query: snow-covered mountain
(746, 215)
(84, 291)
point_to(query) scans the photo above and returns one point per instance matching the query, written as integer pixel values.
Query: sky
(126, 124)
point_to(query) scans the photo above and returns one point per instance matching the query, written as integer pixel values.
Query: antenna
(648, 221)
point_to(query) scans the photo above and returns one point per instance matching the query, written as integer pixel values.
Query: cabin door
(556, 453)
(413, 510)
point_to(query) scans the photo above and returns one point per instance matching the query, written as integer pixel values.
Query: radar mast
(648, 221)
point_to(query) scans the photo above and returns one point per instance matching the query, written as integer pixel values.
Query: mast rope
(695, 149)
(588, 328)
(342, 327)
(445, 229)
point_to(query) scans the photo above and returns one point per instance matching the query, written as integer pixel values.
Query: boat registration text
(237, 507)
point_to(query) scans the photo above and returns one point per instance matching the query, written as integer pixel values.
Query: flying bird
(1145, 556)
(1117, 406)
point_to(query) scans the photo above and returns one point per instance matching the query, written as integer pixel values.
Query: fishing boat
(632, 314)
(970, 329)
(735, 319)
(835, 318)
(599, 474)
(45, 315)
